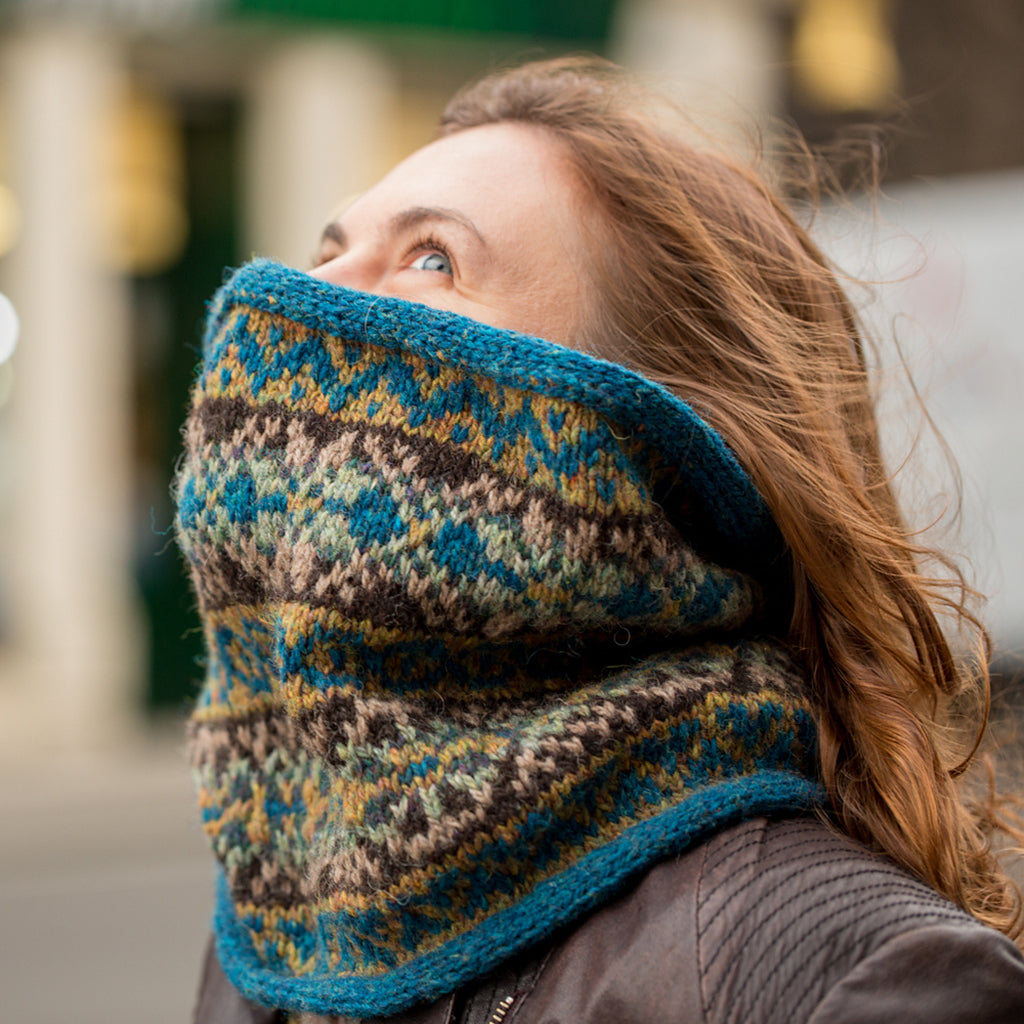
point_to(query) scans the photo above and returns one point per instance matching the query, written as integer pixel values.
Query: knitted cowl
(481, 617)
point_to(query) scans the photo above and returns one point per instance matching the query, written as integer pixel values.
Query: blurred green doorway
(169, 310)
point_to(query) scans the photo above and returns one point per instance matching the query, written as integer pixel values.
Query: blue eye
(436, 261)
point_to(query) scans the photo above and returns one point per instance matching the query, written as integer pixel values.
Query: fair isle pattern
(465, 676)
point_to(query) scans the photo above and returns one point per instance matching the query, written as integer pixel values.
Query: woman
(550, 687)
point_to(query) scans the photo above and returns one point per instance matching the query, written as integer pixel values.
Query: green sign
(583, 20)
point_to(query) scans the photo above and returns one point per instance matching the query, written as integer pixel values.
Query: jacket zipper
(501, 1010)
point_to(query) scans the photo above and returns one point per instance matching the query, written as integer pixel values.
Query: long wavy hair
(706, 282)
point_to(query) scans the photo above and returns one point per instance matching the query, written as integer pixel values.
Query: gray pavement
(105, 887)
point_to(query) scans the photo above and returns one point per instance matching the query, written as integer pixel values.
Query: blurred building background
(147, 145)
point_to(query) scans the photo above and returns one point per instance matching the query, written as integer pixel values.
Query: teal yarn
(482, 621)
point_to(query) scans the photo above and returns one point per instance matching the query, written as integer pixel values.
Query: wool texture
(484, 621)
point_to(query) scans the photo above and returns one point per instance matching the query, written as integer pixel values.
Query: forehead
(491, 172)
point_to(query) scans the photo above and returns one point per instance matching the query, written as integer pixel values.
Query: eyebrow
(406, 220)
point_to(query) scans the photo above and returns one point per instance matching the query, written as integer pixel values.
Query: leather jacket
(768, 922)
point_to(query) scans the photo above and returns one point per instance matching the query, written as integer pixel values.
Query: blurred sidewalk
(105, 887)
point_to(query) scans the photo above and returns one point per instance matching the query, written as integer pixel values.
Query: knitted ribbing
(468, 657)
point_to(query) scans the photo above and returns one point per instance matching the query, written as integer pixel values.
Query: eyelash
(431, 243)
(427, 243)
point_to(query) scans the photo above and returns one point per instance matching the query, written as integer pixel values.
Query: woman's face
(488, 222)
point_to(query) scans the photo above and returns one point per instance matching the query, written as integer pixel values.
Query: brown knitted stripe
(377, 404)
(455, 475)
(381, 596)
(215, 741)
(517, 776)
(321, 720)
(535, 776)
(236, 762)
(471, 683)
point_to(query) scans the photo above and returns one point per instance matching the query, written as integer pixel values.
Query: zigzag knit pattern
(469, 656)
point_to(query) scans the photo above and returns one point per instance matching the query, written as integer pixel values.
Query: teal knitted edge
(731, 509)
(555, 902)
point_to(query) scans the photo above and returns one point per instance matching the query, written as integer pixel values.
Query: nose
(351, 270)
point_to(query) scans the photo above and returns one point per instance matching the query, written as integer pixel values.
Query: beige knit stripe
(385, 412)
(417, 881)
(299, 569)
(537, 778)
(537, 775)
(539, 722)
(256, 738)
(445, 604)
(466, 707)
(365, 877)
(596, 710)
(546, 518)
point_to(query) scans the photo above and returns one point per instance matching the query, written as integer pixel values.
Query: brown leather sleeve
(796, 923)
(937, 975)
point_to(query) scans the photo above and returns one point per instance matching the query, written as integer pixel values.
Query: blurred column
(74, 639)
(721, 60)
(319, 110)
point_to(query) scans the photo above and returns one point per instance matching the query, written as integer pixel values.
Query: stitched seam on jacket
(705, 999)
(779, 861)
(733, 844)
(958, 916)
(777, 884)
(911, 896)
(870, 904)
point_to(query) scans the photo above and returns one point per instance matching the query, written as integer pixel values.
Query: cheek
(562, 322)
(542, 314)
(547, 293)
(566, 288)
(562, 305)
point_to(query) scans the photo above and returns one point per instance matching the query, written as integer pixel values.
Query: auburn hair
(706, 282)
